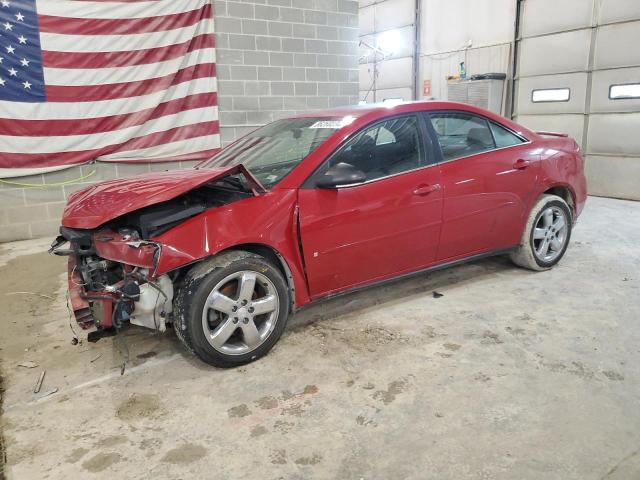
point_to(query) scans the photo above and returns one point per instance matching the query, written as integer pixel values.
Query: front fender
(269, 219)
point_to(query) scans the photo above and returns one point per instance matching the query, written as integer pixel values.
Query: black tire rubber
(193, 292)
(524, 256)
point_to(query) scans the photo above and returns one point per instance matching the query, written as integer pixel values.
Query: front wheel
(546, 234)
(232, 308)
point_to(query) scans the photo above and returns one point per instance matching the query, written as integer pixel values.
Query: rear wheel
(546, 234)
(231, 309)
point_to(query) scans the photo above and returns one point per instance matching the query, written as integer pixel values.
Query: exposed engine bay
(112, 268)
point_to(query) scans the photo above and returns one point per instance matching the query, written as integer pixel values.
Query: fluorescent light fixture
(551, 95)
(624, 92)
(389, 42)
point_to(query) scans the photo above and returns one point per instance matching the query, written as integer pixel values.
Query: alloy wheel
(550, 234)
(240, 312)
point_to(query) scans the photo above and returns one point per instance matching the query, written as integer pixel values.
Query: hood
(97, 204)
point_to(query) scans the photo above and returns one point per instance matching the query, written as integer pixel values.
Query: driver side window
(384, 149)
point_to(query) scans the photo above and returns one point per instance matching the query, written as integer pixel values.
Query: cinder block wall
(274, 58)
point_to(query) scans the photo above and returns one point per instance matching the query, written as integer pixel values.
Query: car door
(488, 176)
(382, 227)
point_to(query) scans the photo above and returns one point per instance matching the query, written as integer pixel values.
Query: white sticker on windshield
(328, 124)
(335, 124)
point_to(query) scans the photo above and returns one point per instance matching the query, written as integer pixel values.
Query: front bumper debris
(111, 280)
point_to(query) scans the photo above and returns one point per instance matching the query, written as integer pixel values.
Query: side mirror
(340, 175)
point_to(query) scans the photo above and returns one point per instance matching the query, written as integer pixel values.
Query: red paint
(122, 26)
(87, 126)
(95, 205)
(108, 91)
(81, 60)
(361, 234)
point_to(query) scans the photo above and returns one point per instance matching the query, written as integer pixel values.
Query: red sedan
(312, 206)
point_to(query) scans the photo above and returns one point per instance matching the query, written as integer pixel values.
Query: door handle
(521, 164)
(426, 189)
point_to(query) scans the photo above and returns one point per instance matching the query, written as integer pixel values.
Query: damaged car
(310, 207)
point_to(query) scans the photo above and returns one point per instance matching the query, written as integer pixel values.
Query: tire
(530, 254)
(222, 284)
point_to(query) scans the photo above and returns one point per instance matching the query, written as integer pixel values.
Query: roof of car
(382, 108)
(379, 110)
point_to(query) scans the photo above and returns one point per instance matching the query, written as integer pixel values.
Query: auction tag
(328, 124)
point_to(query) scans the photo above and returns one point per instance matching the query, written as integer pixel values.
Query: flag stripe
(59, 93)
(186, 147)
(125, 10)
(105, 108)
(124, 26)
(83, 60)
(26, 160)
(57, 42)
(69, 143)
(50, 128)
(136, 73)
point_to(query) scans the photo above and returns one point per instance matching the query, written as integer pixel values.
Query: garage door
(579, 73)
(388, 26)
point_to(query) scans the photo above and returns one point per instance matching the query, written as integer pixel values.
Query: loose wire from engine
(76, 339)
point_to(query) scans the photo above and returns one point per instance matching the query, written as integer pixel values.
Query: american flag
(105, 80)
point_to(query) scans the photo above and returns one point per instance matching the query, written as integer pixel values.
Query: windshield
(271, 152)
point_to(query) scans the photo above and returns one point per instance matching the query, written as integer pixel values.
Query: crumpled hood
(97, 204)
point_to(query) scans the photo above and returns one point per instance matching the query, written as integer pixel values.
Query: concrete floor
(511, 374)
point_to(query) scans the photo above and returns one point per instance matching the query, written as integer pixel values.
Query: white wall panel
(395, 73)
(572, 125)
(576, 82)
(613, 176)
(365, 76)
(404, 93)
(617, 45)
(559, 53)
(448, 25)
(603, 79)
(614, 133)
(394, 13)
(386, 15)
(548, 16)
(618, 11)
(366, 20)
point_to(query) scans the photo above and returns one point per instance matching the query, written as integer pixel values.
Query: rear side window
(462, 134)
(503, 137)
(384, 149)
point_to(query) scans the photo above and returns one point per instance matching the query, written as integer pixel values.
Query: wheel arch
(564, 191)
(275, 257)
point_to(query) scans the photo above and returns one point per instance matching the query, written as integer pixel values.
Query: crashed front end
(110, 235)
(112, 279)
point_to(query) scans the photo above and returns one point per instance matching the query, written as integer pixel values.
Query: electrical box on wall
(484, 91)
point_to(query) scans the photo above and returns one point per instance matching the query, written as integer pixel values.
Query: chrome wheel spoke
(539, 233)
(222, 333)
(221, 303)
(556, 244)
(247, 286)
(543, 249)
(250, 334)
(547, 217)
(264, 305)
(558, 224)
